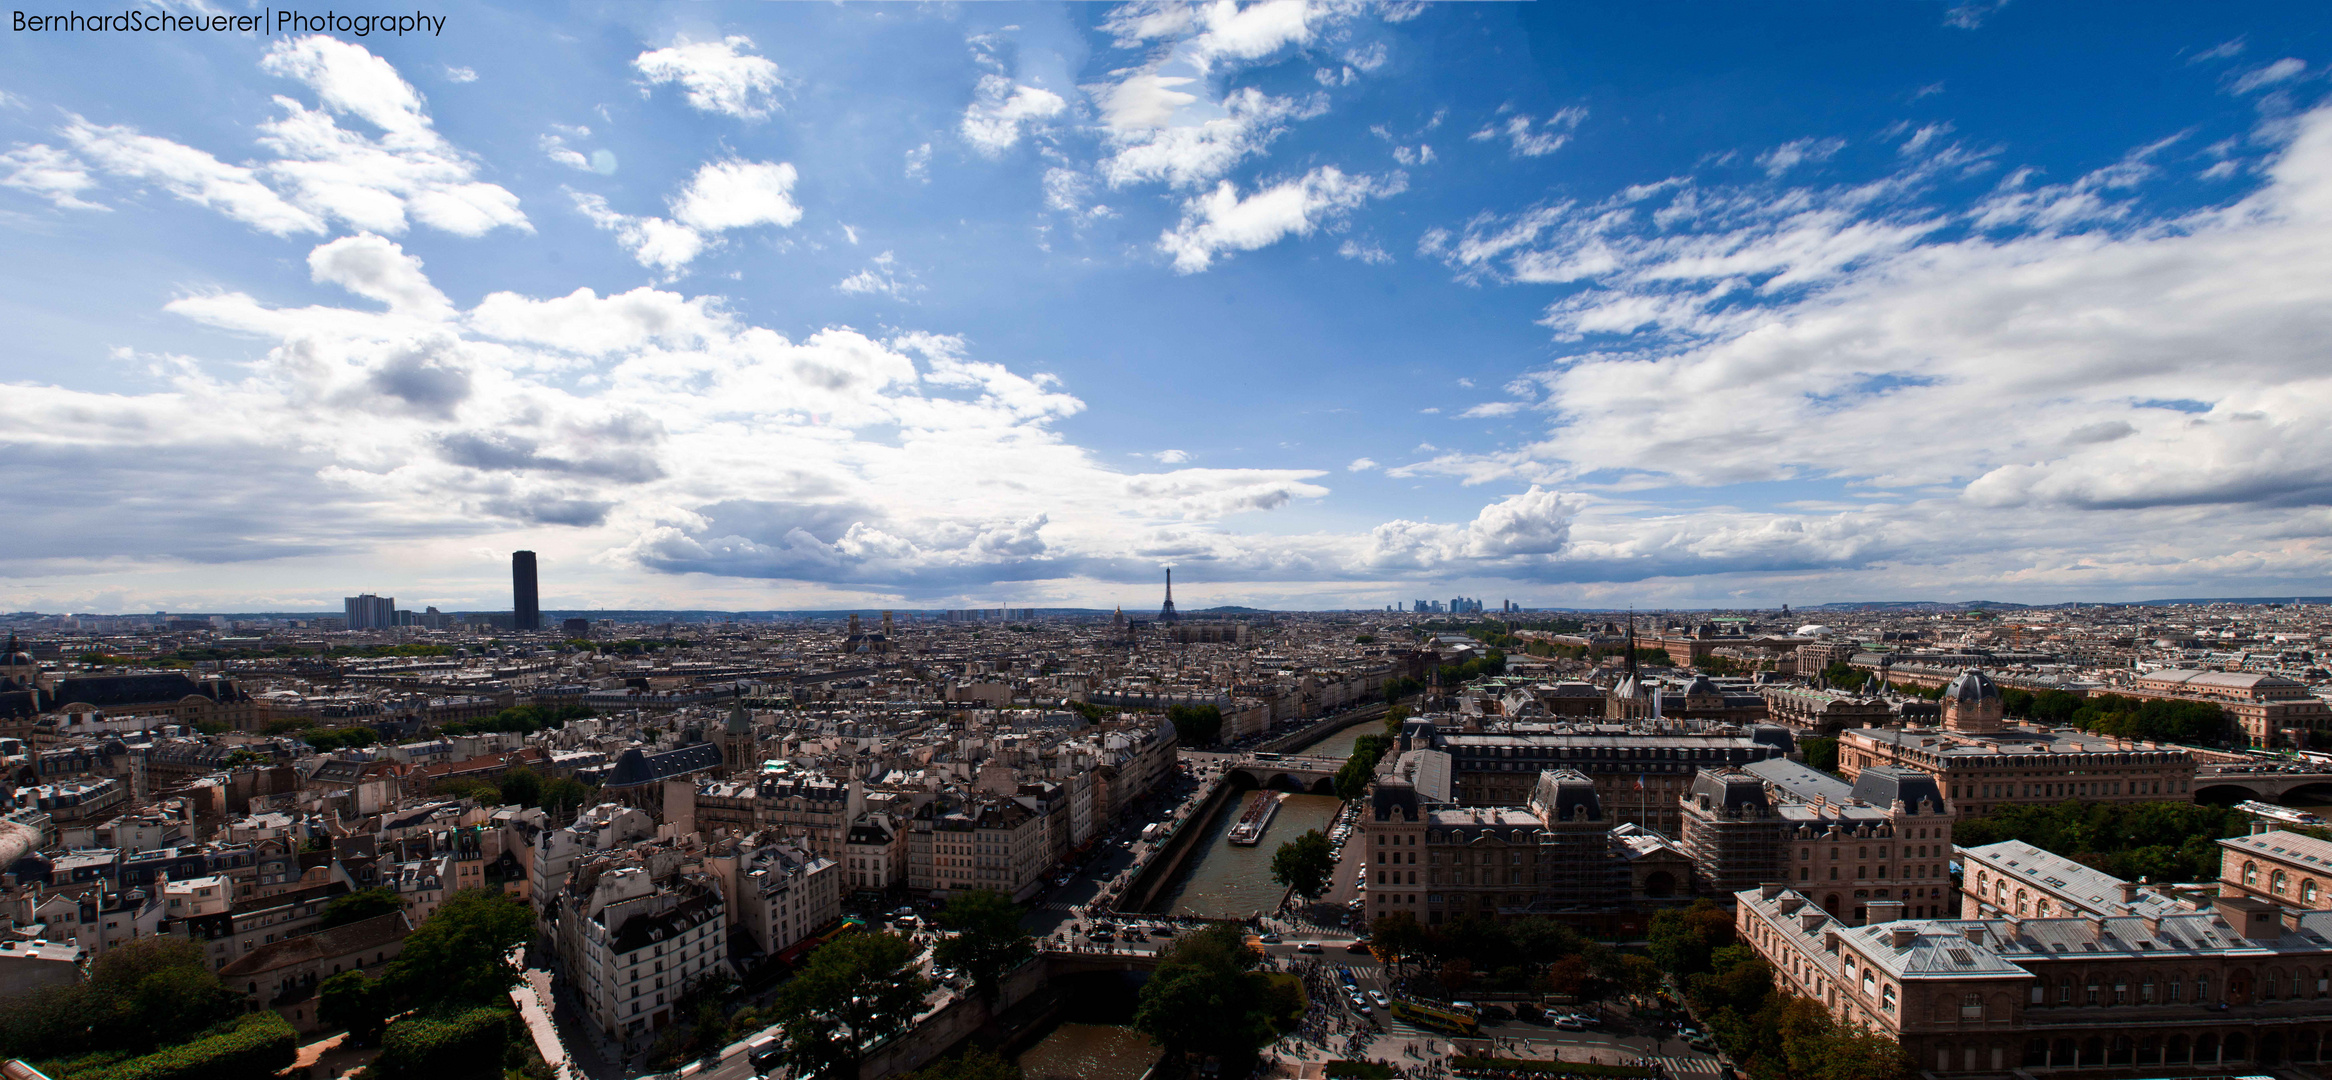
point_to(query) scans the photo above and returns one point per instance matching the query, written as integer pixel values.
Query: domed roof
(1813, 630)
(1699, 685)
(1972, 685)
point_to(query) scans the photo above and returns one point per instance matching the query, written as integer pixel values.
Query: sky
(1322, 305)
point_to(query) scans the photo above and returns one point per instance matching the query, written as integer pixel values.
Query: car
(1269, 938)
(1702, 1043)
(1358, 945)
(1462, 1006)
(1161, 930)
(762, 1054)
(1308, 947)
(1568, 1022)
(1379, 997)
(1528, 1012)
(1496, 1014)
(1360, 1005)
(1103, 936)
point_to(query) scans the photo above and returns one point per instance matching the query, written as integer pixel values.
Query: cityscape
(1166, 540)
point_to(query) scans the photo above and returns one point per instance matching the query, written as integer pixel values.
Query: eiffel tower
(1167, 614)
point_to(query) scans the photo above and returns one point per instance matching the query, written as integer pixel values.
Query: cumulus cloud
(1533, 524)
(1000, 111)
(189, 174)
(1221, 221)
(883, 278)
(2154, 379)
(723, 77)
(722, 196)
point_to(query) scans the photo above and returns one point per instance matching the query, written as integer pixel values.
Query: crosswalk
(1677, 1065)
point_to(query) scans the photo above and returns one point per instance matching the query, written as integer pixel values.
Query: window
(2251, 874)
(2275, 883)
(1972, 1007)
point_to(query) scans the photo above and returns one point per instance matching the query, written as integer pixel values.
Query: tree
(461, 953)
(1820, 754)
(1682, 941)
(523, 786)
(565, 794)
(853, 992)
(356, 1001)
(988, 941)
(1206, 997)
(1397, 937)
(162, 990)
(359, 906)
(479, 791)
(1195, 725)
(1306, 864)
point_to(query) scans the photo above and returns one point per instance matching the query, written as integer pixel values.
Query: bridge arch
(2226, 794)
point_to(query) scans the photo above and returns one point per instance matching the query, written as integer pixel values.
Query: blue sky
(1326, 305)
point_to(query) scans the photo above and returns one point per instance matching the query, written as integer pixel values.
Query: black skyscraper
(526, 609)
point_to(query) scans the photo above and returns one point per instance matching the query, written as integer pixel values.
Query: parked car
(1568, 1022)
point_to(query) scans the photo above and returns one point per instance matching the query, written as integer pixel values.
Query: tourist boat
(1254, 817)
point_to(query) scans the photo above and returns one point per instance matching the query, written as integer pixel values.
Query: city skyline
(1324, 305)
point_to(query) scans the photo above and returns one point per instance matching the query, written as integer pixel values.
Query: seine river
(1234, 882)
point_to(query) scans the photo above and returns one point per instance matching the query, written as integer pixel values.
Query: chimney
(1790, 904)
(1811, 919)
(2012, 929)
(2129, 892)
(1973, 932)
(1766, 891)
(1885, 911)
(1901, 937)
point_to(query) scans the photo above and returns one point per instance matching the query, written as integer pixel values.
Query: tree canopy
(852, 992)
(1306, 864)
(359, 906)
(462, 951)
(1206, 997)
(988, 941)
(1195, 725)
(2162, 841)
(140, 994)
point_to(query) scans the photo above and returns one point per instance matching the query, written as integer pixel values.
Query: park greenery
(2158, 841)
(521, 786)
(360, 905)
(1207, 998)
(519, 720)
(986, 940)
(1195, 725)
(1529, 955)
(1353, 778)
(1821, 753)
(1306, 864)
(140, 995)
(1771, 1034)
(850, 994)
(2128, 718)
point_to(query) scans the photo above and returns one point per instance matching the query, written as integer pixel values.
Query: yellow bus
(1436, 1018)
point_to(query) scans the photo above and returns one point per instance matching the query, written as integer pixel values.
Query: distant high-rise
(369, 612)
(1166, 614)
(526, 609)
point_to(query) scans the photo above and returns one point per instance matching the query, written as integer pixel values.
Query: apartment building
(776, 892)
(631, 943)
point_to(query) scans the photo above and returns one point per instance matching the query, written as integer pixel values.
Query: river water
(1090, 1052)
(1228, 882)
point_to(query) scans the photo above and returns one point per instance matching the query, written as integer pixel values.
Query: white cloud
(737, 194)
(999, 112)
(884, 278)
(719, 76)
(2270, 74)
(49, 173)
(2225, 50)
(1220, 221)
(460, 75)
(377, 183)
(1365, 251)
(1529, 138)
(1796, 152)
(1153, 147)
(722, 196)
(189, 174)
(1530, 526)
(1361, 464)
(378, 269)
(919, 163)
(1171, 457)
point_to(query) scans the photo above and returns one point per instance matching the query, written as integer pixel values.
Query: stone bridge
(1286, 772)
(2266, 783)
